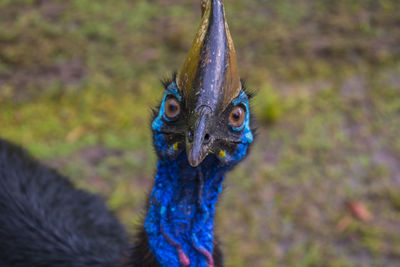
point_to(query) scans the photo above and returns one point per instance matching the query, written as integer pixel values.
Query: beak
(198, 141)
(209, 79)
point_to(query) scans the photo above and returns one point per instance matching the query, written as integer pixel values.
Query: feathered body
(45, 221)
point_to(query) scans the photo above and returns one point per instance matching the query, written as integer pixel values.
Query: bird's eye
(237, 116)
(172, 108)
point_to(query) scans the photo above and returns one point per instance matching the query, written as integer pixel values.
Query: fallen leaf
(359, 211)
(74, 135)
(343, 223)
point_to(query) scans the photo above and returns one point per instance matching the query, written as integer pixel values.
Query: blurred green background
(322, 184)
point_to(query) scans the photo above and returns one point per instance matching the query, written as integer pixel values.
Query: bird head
(205, 110)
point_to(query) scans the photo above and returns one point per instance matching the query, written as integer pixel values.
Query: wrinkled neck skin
(180, 218)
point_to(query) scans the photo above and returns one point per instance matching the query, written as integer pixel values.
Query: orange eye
(237, 116)
(172, 108)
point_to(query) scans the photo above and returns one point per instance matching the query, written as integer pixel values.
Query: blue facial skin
(180, 218)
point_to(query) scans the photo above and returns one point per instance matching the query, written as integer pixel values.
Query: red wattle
(183, 259)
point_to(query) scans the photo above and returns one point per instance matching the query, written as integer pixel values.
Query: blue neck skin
(180, 218)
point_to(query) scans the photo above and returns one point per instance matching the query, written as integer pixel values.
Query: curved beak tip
(194, 158)
(194, 164)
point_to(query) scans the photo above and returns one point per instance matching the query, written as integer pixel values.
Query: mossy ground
(78, 79)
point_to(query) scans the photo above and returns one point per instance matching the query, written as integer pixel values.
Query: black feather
(45, 221)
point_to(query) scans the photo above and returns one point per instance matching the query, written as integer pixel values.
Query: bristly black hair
(154, 112)
(167, 81)
(250, 93)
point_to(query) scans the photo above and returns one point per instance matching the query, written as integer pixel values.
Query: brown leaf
(359, 211)
(343, 223)
(74, 134)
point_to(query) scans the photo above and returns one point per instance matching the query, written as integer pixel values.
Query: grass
(78, 79)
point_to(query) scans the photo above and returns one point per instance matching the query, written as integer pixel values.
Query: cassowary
(200, 131)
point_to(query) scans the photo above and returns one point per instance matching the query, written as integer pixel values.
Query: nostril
(190, 136)
(206, 138)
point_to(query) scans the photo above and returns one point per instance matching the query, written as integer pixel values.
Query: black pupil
(236, 115)
(172, 107)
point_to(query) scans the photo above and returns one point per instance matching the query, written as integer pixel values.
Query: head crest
(209, 76)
